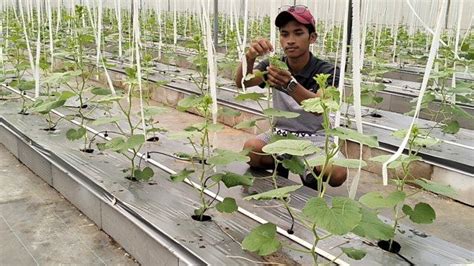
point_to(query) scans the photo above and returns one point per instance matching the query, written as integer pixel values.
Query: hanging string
(342, 67)
(456, 44)
(136, 38)
(50, 26)
(433, 51)
(244, 43)
(356, 80)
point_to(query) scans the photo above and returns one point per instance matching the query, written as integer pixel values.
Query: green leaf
(375, 199)
(434, 187)
(398, 162)
(115, 144)
(451, 127)
(181, 176)
(253, 96)
(73, 134)
(224, 157)
(372, 227)
(349, 163)
(232, 180)
(294, 164)
(228, 205)
(425, 141)
(190, 102)
(66, 95)
(291, 147)
(23, 85)
(135, 141)
(271, 112)
(149, 111)
(349, 134)
(341, 218)
(226, 111)
(248, 123)
(256, 74)
(355, 254)
(384, 158)
(215, 127)
(277, 193)
(106, 120)
(275, 61)
(313, 105)
(262, 240)
(48, 106)
(100, 91)
(145, 174)
(421, 214)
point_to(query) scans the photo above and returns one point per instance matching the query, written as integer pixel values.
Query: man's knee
(338, 176)
(254, 146)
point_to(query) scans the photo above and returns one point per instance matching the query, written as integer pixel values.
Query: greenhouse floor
(38, 226)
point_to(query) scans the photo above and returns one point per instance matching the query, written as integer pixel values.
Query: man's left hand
(278, 78)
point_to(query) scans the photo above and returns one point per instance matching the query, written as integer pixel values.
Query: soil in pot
(87, 150)
(385, 245)
(153, 139)
(203, 218)
(376, 115)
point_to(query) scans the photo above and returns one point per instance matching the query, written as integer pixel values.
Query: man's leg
(255, 145)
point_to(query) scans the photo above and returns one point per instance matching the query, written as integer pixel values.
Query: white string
(456, 43)
(273, 14)
(58, 16)
(337, 120)
(136, 37)
(356, 78)
(434, 49)
(423, 23)
(50, 23)
(119, 22)
(25, 33)
(244, 43)
(211, 60)
(175, 26)
(38, 51)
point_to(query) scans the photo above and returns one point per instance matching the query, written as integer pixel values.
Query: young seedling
(422, 212)
(197, 136)
(127, 142)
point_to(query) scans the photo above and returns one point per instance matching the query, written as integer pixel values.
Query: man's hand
(259, 48)
(278, 78)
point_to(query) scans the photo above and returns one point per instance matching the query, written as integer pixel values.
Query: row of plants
(68, 85)
(409, 48)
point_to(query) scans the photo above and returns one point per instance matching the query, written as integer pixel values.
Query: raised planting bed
(152, 219)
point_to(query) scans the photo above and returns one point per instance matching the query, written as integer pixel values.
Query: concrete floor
(454, 221)
(39, 226)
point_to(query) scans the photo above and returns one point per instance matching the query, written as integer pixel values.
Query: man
(296, 25)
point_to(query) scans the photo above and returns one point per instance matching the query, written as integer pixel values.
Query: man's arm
(281, 78)
(256, 49)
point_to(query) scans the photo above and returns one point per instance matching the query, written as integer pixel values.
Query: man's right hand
(259, 48)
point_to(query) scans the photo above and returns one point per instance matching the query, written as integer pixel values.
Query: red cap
(302, 16)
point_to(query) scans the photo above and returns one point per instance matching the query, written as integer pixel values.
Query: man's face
(295, 39)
